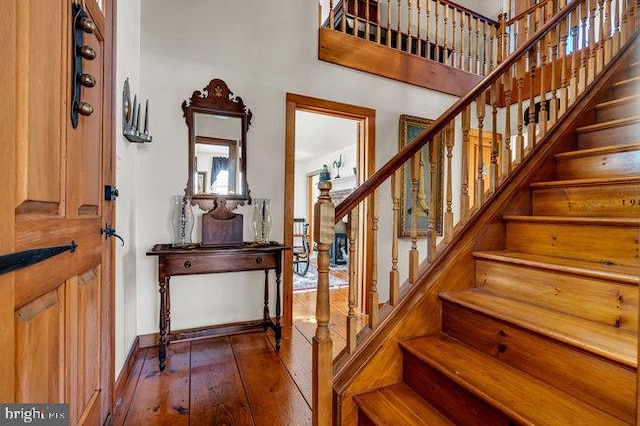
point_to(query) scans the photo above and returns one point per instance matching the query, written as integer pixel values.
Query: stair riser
(614, 112)
(609, 136)
(615, 164)
(633, 70)
(364, 420)
(582, 375)
(606, 244)
(627, 89)
(596, 300)
(610, 200)
(454, 401)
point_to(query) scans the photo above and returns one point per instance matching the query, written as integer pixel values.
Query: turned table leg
(278, 328)
(162, 343)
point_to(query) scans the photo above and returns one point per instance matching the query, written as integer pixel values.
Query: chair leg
(306, 268)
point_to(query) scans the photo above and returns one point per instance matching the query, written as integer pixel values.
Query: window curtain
(218, 164)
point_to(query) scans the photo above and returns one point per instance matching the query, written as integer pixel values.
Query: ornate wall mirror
(218, 125)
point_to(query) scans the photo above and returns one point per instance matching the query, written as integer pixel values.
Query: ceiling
(318, 135)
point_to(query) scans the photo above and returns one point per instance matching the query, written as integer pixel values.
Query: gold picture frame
(410, 127)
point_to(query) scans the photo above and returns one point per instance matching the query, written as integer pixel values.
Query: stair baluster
(394, 274)
(428, 50)
(398, 28)
(531, 129)
(413, 253)
(431, 214)
(475, 62)
(352, 234)
(520, 68)
(480, 114)
(507, 83)
(331, 14)
(542, 116)
(436, 39)
(419, 35)
(449, 140)
(388, 38)
(462, 34)
(465, 201)
(493, 167)
(454, 30)
(374, 300)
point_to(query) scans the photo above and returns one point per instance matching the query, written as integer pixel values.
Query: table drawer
(185, 265)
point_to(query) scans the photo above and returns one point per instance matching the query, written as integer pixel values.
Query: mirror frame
(217, 99)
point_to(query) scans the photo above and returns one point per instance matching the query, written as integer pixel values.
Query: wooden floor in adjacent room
(234, 380)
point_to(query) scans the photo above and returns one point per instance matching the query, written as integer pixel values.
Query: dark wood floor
(234, 380)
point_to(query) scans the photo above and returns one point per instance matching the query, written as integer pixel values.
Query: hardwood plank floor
(232, 380)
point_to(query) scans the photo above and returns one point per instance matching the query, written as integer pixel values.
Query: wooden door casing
(60, 343)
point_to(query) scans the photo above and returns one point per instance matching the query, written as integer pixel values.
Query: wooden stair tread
(618, 101)
(522, 397)
(624, 82)
(619, 273)
(608, 124)
(586, 182)
(605, 341)
(399, 405)
(598, 150)
(582, 220)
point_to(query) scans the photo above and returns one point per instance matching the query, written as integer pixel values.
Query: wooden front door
(56, 316)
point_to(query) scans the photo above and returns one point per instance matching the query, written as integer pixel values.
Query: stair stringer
(377, 362)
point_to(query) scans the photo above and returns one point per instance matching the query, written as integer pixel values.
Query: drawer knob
(259, 260)
(187, 264)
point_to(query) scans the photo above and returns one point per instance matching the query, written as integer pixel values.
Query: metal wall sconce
(131, 118)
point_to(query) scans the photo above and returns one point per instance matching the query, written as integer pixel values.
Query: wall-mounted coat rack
(131, 118)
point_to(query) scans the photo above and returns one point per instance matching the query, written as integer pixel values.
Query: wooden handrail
(470, 12)
(439, 124)
(526, 12)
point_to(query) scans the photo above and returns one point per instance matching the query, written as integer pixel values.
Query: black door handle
(110, 232)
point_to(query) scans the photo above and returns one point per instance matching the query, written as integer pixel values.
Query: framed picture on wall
(431, 156)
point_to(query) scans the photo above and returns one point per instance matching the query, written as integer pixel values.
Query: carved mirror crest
(218, 123)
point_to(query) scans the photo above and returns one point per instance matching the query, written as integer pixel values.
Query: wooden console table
(197, 259)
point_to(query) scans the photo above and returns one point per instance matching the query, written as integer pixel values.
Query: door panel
(39, 353)
(42, 98)
(84, 150)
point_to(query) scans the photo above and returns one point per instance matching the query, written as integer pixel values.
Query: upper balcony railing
(440, 179)
(439, 30)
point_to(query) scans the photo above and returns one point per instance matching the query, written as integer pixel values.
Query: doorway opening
(339, 140)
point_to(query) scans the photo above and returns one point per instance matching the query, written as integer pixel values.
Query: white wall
(321, 139)
(262, 49)
(127, 65)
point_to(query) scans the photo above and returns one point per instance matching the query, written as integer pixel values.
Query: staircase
(548, 334)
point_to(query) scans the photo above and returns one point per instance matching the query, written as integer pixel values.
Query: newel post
(322, 346)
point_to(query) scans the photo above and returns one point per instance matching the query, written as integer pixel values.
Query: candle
(138, 120)
(135, 111)
(146, 118)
